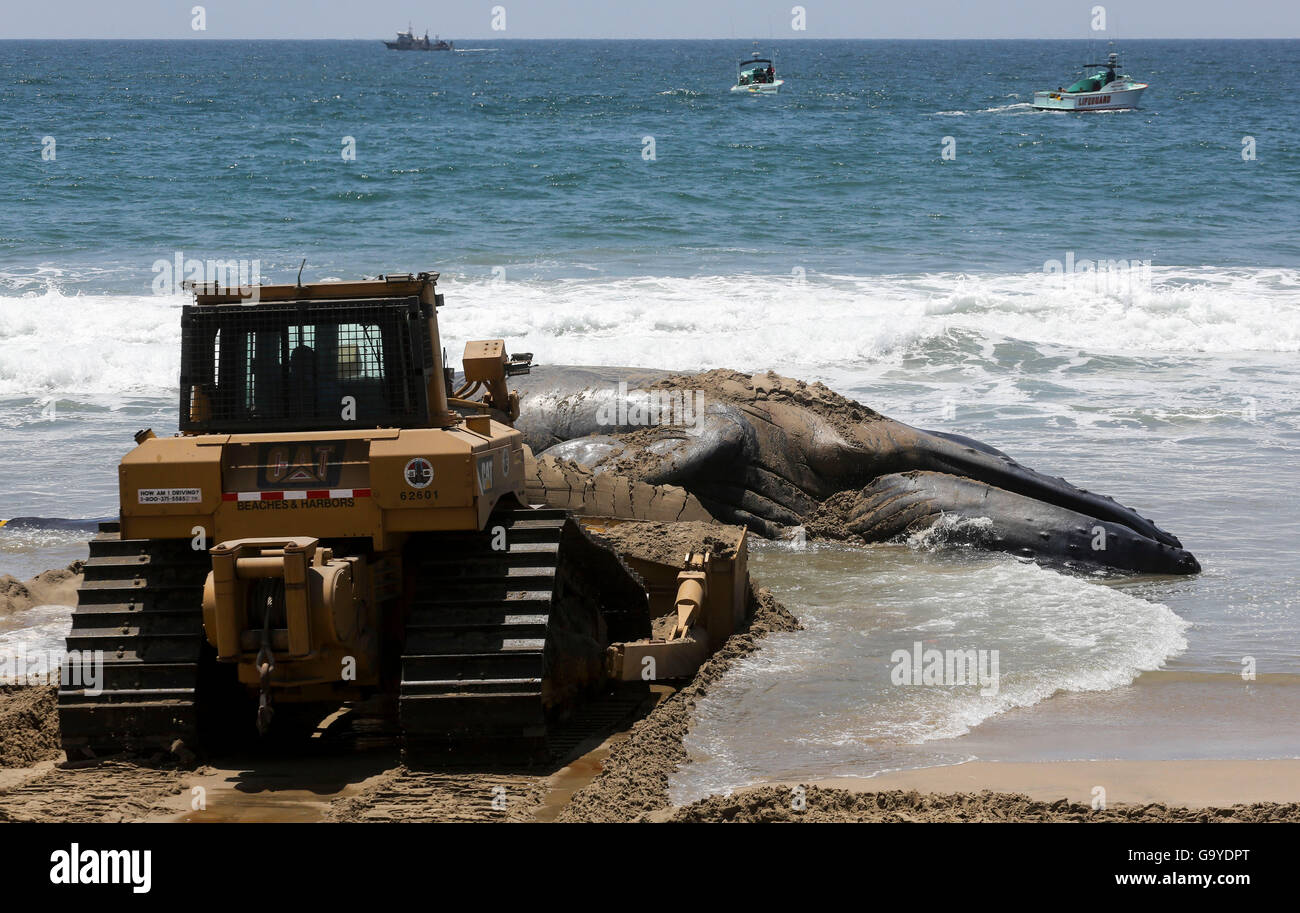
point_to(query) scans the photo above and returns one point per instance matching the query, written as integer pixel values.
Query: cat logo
(418, 473)
(307, 464)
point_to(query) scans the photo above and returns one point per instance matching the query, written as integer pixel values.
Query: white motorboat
(1105, 90)
(757, 76)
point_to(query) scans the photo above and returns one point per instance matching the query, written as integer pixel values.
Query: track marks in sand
(426, 796)
(110, 791)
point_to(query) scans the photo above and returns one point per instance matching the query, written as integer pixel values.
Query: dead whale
(775, 455)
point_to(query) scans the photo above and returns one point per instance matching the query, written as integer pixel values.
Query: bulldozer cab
(327, 357)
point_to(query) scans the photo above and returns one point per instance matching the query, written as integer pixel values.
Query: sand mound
(668, 543)
(29, 724)
(822, 805)
(47, 588)
(634, 780)
(831, 519)
(842, 413)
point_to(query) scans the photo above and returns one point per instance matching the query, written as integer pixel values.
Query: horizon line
(667, 38)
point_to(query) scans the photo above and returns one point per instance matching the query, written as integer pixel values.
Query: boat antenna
(300, 266)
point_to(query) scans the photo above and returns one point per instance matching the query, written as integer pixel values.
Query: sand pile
(821, 805)
(831, 519)
(769, 388)
(29, 724)
(634, 781)
(47, 588)
(668, 543)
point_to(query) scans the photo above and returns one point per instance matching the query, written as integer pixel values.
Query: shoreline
(1184, 783)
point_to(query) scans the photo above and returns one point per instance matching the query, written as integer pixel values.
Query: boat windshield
(1087, 84)
(756, 71)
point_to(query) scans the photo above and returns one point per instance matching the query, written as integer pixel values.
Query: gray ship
(406, 41)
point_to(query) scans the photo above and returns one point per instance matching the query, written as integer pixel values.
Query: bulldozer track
(492, 634)
(140, 607)
(109, 791)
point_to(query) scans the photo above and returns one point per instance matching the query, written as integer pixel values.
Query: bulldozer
(339, 518)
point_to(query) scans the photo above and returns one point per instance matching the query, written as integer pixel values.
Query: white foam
(105, 347)
(35, 632)
(1053, 633)
(99, 347)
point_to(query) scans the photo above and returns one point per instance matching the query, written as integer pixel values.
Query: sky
(767, 19)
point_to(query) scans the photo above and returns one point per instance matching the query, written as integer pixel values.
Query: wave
(37, 635)
(1052, 634)
(110, 347)
(997, 109)
(1015, 106)
(90, 346)
(1056, 633)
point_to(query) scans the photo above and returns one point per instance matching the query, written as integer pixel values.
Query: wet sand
(1195, 784)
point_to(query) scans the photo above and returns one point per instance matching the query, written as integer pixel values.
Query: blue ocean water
(820, 233)
(513, 155)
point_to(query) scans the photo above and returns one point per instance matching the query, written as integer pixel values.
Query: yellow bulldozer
(339, 518)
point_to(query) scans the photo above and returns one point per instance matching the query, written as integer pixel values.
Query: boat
(756, 76)
(1105, 90)
(406, 41)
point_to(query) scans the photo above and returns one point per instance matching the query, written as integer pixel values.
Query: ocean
(1112, 297)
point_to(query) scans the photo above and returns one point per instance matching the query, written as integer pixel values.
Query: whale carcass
(779, 455)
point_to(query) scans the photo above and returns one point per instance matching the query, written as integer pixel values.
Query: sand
(57, 587)
(632, 783)
(634, 780)
(831, 519)
(668, 543)
(769, 388)
(108, 792)
(29, 724)
(1196, 784)
(420, 796)
(810, 803)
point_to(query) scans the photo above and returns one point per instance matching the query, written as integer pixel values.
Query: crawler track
(501, 643)
(140, 605)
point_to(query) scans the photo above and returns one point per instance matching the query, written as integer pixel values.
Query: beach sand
(629, 781)
(1196, 784)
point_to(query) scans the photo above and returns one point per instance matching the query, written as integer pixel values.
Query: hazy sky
(651, 18)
